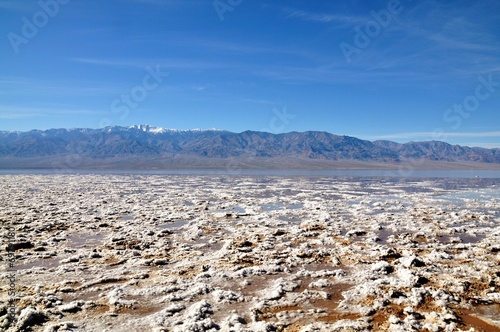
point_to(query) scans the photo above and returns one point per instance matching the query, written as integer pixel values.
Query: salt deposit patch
(252, 254)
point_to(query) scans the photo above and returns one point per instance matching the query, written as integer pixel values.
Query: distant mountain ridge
(153, 143)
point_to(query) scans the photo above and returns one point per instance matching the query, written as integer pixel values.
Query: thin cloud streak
(166, 64)
(166, 2)
(434, 135)
(322, 17)
(114, 63)
(260, 101)
(485, 145)
(16, 112)
(15, 86)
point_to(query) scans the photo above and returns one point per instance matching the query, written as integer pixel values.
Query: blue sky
(399, 70)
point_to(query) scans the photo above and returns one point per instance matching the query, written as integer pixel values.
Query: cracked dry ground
(251, 253)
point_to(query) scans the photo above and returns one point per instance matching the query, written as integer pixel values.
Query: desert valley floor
(101, 252)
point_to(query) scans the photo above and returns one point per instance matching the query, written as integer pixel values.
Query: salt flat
(251, 253)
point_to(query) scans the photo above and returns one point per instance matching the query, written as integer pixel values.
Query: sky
(399, 70)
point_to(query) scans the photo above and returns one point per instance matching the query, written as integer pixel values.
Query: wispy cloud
(200, 88)
(446, 30)
(104, 62)
(166, 2)
(322, 17)
(485, 145)
(435, 135)
(219, 46)
(165, 63)
(15, 86)
(11, 112)
(439, 40)
(260, 101)
(336, 75)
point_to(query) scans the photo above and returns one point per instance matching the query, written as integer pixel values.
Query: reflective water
(175, 224)
(397, 173)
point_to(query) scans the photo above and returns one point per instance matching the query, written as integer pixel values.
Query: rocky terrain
(144, 146)
(248, 253)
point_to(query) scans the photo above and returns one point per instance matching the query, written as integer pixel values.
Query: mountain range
(144, 146)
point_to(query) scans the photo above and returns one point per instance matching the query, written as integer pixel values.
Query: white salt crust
(235, 253)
